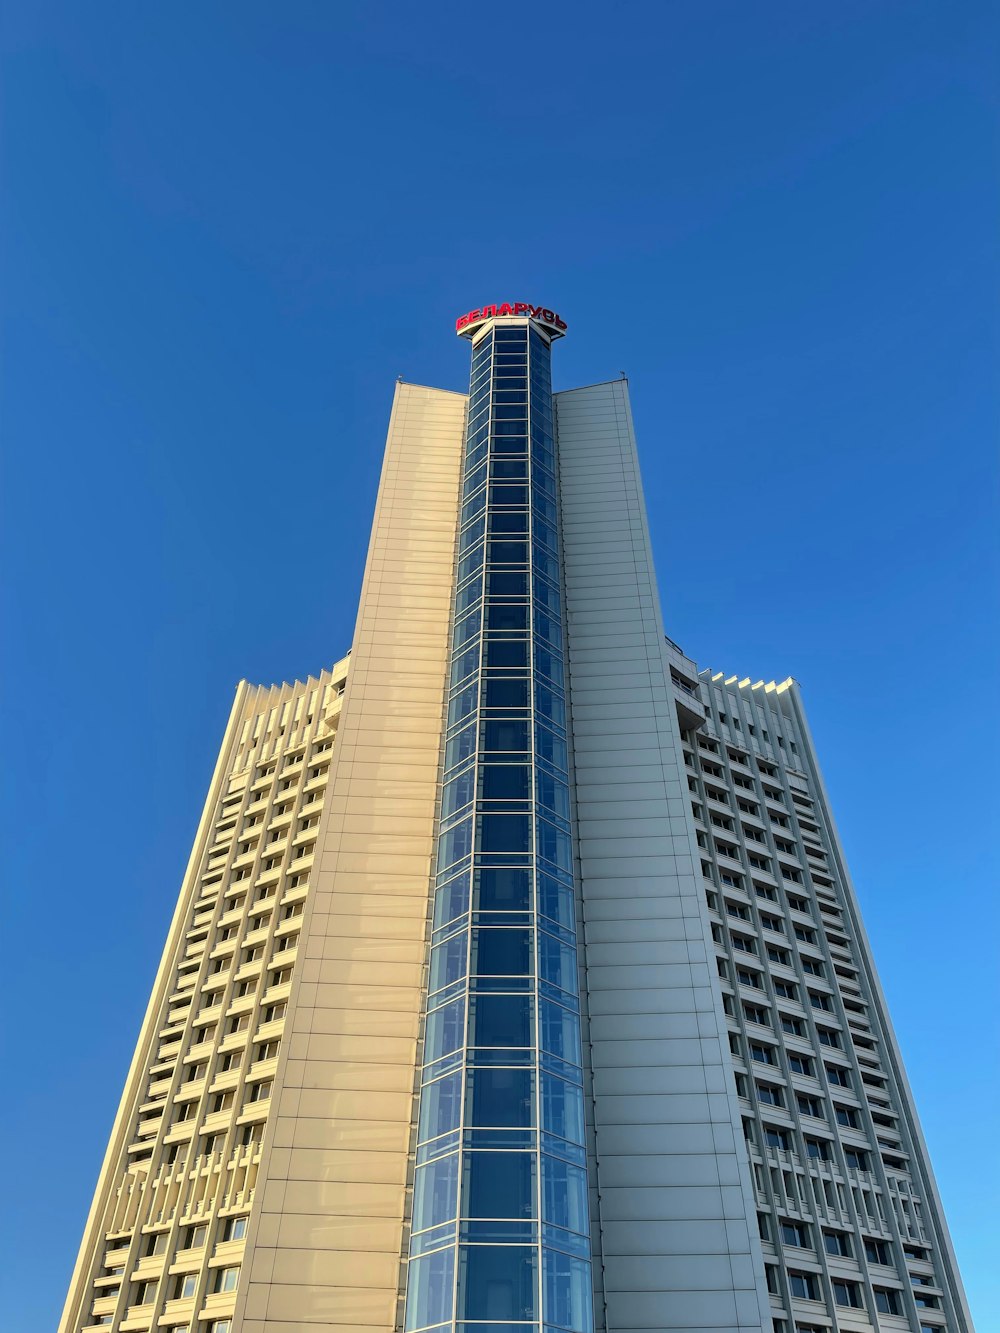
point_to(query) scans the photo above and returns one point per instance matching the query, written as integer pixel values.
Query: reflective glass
(430, 1285)
(435, 1192)
(559, 1031)
(499, 1020)
(562, 1108)
(564, 1194)
(501, 951)
(499, 833)
(449, 961)
(498, 1096)
(502, 889)
(445, 1030)
(497, 1282)
(441, 1106)
(568, 1301)
(498, 1184)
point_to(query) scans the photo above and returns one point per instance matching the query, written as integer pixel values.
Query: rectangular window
(810, 1106)
(226, 1279)
(776, 1138)
(800, 1064)
(847, 1294)
(235, 1228)
(837, 1243)
(804, 1286)
(887, 1301)
(877, 1252)
(794, 1233)
(769, 1095)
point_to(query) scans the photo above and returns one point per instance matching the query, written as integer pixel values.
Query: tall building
(516, 983)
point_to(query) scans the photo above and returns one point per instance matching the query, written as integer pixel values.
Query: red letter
(505, 309)
(473, 316)
(489, 311)
(461, 322)
(548, 316)
(535, 311)
(560, 323)
(520, 308)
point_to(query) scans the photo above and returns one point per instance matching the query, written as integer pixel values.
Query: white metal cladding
(676, 1210)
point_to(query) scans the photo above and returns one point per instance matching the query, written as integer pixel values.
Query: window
(812, 966)
(762, 1054)
(776, 1138)
(847, 1293)
(877, 1251)
(828, 1038)
(837, 1243)
(794, 1233)
(746, 945)
(156, 1244)
(755, 1014)
(259, 1092)
(806, 936)
(226, 1279)
(838, 1076)
(787, 990)
(235, 1228)
(221, 1326)
(800, 1064)
(145, 1293)
(777, 955)
(819, 1001)
(800, 904)
(792, 1025)
(184, 1286)
(192, 1238)
(747, 978)
(926, 1302)
(856, 1158)
(810, 1106)
(818, 1149)
(267, 1050)
(887, 1301)
(769, 1095)
(772, 923)
(846, 1116)
(804, 1286)
(222, 1101)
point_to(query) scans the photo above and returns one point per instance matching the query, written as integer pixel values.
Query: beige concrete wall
(326, 1235)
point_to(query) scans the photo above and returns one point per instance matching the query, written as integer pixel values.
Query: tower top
(553, 325)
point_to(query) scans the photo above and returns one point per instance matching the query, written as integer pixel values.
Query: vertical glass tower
(500, 1226)
(517, 983)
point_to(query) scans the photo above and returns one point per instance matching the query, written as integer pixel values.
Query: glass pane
(501, 951)
(505, 782)
(560, 1031)
(500, 1097)
(503, 889)
(557, 962)
(506, 735)
(506, 693)
(562, 1108)
(455, 844)
(445, 1030)
(507, 653)
(564, 1194)
(498, 1184)
(568, 1301)
(504, 616)
(449, 961)
(430, 1289)
(499, 1020)
(435, 1192)
(500, 833)
(441, 1107)
(497, 1282)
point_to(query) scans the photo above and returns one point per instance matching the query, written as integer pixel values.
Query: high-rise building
(516, 983)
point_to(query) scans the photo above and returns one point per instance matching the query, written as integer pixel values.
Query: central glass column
(500, 1227)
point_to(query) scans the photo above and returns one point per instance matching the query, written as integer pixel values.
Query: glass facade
(500, 1225)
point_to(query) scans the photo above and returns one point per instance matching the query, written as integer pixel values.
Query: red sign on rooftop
(554, 325)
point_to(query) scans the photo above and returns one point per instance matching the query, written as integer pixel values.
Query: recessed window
(226, 1279)
(887, 1301)
(192, 1238)
(847, 1294)
(776, 1138)
(235, 1228)
(837, 1243)
(794, 1233)
(184, 1286)
(804, 1286)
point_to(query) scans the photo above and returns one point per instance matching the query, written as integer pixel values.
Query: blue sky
(225, 230)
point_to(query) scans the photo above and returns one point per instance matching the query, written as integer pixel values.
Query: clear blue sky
(227, 228)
